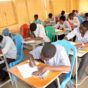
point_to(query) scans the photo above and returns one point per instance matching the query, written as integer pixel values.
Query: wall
(83, 6)
(16, 12)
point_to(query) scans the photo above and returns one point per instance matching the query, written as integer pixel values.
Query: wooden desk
(33, 42)
(59, 32)
(81, 52)
(35, 81)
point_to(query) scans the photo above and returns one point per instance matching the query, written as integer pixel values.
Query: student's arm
(7, 46)
(71, 34)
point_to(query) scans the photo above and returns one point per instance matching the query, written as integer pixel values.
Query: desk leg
(58, 82)
(76, 70)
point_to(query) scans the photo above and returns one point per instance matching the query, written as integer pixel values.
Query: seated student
(86, 17)
(38, 31)
(62, 24)
(37, 20)
(81, 37)
(62, 13)
(70, 20)
(75, 18)
(55, 57)
(8, 49)
(51, 20)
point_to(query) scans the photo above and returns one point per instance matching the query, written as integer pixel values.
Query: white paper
(26, 71)
(29, 41)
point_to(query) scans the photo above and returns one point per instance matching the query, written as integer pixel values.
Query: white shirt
(40, 32)
(8, 47)
(65, 25)
(59, 59)
(79, 38)
(76, 22)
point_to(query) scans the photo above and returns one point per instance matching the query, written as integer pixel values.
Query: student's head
(1, 38)
(86, 16)
(62, 19)
(50, 15)
(62, 12)
(36, 16)
(33, 27)
(70, 16)
(84, 27)
(48, 51)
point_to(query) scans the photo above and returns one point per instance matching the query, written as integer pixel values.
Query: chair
(68, 46)
(19, 45)
(24, 29)
(50, 32)
(6, 32)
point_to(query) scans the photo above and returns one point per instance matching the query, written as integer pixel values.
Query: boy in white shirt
(55, 57)
(38, 31)
(8, 49)
(82, 38)
(63, 24)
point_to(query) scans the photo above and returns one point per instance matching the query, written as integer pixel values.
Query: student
(86, 17)
(51, 20)
(55, 57)
(75, 19)
(82, 38)
(62, 13)
(36, 19)
(63, 24)
(38, 31)
(8, 49)
(70, 20)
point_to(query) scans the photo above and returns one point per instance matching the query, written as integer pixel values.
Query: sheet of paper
(28, 42)
(26, 71)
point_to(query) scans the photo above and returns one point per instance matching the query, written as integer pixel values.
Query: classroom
(43, 43)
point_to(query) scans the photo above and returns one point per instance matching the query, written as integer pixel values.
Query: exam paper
(26, 71)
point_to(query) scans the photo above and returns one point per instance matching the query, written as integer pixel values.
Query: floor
(23, 85)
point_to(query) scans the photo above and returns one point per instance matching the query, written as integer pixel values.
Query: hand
(32, 63)
(40, 71)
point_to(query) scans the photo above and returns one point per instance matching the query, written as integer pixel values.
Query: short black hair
(85, 24)
(63, 18)
(62, 12)
(50, 15)
(86, 14)
(48, 50)
(36, 16)
(33, 27)
(1, 38)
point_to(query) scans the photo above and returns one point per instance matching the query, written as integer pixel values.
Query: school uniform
(8, 49)
(84, 61)
(79, 38)
(40, 32)
(76, 22)
(51, 21)
(65, 25)
(38, 21)
(60, 58)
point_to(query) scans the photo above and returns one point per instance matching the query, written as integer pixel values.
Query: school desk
(35, 82)
(59, 32)
(1, 62)
(80, 51)
(33, 42)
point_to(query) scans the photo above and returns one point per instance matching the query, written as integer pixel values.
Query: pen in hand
(31, 61)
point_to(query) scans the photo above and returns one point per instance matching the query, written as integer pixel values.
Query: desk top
(61, 32)
(81, 51)
(35, 81)
(33, 41)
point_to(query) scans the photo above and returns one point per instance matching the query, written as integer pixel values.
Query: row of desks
(38, 82)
